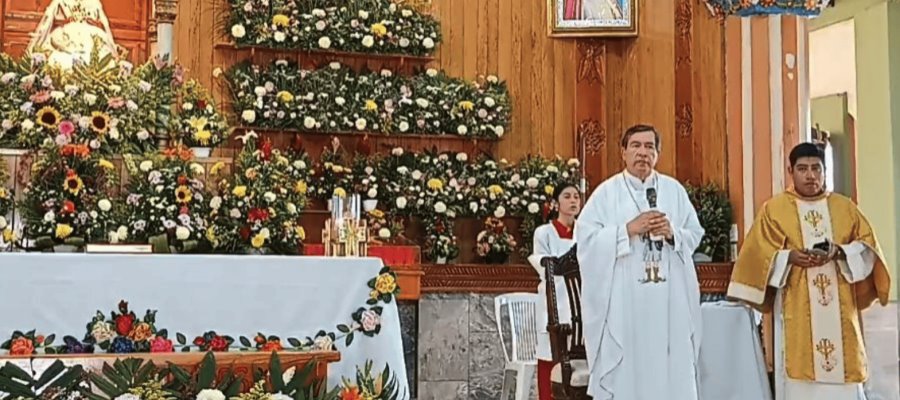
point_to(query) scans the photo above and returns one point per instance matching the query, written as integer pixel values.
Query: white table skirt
(732, 366)
(232, 295)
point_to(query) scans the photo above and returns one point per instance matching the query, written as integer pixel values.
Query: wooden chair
(570, 372)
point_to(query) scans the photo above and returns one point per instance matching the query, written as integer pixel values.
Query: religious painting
(592, 18)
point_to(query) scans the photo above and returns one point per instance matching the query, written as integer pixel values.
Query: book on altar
(119, 248)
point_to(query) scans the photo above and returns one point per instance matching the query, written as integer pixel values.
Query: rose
(272, 345)
(21, 347)
(122, 345)
(141, 332)
(210, 394)
(385, 283)
(323, 343)
(370, 321)
(161, 345)
(124, 324)
(102, 331)
(218, 343)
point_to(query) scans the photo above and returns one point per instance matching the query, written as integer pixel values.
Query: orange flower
(184, 153)
(140, 332)
(272, 345)
(21, 347)
(351, 393)
(79, 150)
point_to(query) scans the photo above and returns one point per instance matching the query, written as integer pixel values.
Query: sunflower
(100, 122)
(48, 117)
(183, 194)
(73, 183)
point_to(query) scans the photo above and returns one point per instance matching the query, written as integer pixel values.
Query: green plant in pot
(715, 214)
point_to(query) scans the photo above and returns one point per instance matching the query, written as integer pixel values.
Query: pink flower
(116, 102)
(40, 97)
(161, 345)
(370, 320)
(66, 128)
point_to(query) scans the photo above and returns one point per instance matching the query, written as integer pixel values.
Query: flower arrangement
(494, 243)
(199, 122)
(260, 211)
(806, 8)
(386, 228)
(336, 99)
(210, 341)
(532, 185)
(715, 215)
(124, 332)
(166, 204)
(369, 385)
(27, 343)
(370, 26)
(333, 174)
(6, 204)
(67, 200)
(441, 244)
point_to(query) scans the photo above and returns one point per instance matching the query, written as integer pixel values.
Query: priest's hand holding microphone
(653, 222)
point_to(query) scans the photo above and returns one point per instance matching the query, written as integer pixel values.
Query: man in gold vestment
(811, 256)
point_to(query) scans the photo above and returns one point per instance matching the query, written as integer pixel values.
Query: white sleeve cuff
(623, 242)
(779, 270)
(860, 261)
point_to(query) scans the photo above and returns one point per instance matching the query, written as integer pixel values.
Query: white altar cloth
(732, 366)
(232, 295)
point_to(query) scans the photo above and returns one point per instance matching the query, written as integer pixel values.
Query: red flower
(273, 345)
(199, 341)
(258, 214)
(201, 104)
(266, 149)
(124, 324)
(182, 180)
(39, 339)
(245, 232)
(260, 339)
(68, 207)
(184, 210)
(218, 343)
(161, 345)
(21, 347)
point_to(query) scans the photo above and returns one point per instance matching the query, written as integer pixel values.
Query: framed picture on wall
(593, 18)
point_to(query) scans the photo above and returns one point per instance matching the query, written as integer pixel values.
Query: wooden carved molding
(592, 136)
(684, 19)
(166, 11)
(475, 278)
(591, 66)
(684, 120)
(714, 277)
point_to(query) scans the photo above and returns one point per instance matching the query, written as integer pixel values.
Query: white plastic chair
(521, 356)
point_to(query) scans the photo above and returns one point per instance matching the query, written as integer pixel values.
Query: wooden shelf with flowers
(311, 59)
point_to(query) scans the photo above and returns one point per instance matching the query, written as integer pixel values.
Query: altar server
(553, 240)
(813, 257)
(641, 299)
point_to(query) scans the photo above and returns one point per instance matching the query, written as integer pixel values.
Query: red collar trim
(562, 230)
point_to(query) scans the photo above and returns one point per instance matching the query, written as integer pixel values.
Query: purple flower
(134, 199)
(74, 346)
(185, 220)
(122, 345)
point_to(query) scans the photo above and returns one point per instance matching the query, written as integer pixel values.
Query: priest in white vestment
(813, 257)
(640, 295)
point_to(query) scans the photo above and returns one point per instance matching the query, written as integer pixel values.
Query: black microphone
(651, 201)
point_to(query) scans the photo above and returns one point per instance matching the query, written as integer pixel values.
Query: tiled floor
(882, 346)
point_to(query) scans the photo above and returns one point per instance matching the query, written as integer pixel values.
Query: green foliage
(715, 214)
(56, 382)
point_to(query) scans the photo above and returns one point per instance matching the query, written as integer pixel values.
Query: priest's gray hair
(638, 129)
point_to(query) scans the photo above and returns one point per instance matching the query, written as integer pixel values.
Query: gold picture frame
(592, 18)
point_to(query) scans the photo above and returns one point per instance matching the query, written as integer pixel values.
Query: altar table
(731, 359)
(232, 295)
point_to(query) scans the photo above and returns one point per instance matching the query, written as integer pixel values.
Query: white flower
(428, 43)
(473, 206)
(215, 203)
(279, 36)
(182, 233)
(368, 41)
(404, 42)
(265, 233)
(406, 13)
(292, 208)
(217, 72)
(431, 72)
(360, 124)
(249, 116)
(500, 212)
(288, 374)
(115, 88)
(143, 135)
(493, 79)
(552, 169)
(335, 65)
(50, 216)
(238, 31)
(531, 182)
(3, 222)
(404, 126)
(27, 125)
(387, 73)
(57, 95)
(321, 25)
(462, 157)
(573, 162)
(498, 130)
(440, 207)
(318, 12)
(269, 196)
(533, 208)
(363, 14)
(235, 213)
(489, 101)
(95, 144)
(145, 86)
(122, 233)
(416, 175)
(372, 193)
(197, 169)
(6, 125)
(210, 394)
(300, 164)
(84, 122)
(90, 99)
(397, 151)
(321, 343)
(309, 122)
(104, 205)
(280, 396)
(462, 130)
(146, 166)
(422, 102)
(324, 42)
(114, 134)
(384, 233)
(259, 91)
(102, 331)
(401, 202)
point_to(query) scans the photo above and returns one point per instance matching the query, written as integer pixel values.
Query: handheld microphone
(651, 200)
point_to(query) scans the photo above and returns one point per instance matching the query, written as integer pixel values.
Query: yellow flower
(371, 105)
(549, 190)
(73, 184)
(373, 294)
(183, 194)
(211, 234)
(216, 168)
(379, 29)
(48, 117)
(281, 20)
(495, 189)
(385, 284)
(467, 105)
(3, 193)
(63, 231)
(203, 136)
(340, 192)
(99, 122)
(377, 213)
(272, 213)
(198, 123)
(435, 184)
(8, 235)
(285, 96)
(301, 233)
(258, 241)
(103, 163)
(239, 191)
(300, 187)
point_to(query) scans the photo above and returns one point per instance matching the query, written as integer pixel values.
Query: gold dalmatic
(820, 307)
